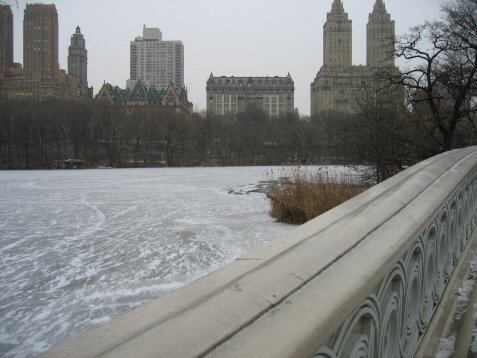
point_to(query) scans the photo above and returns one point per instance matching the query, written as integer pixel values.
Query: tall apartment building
(337, 37)
(40, 77)
(380, 33)
(156, 62)
(232, 95)
(6, 38)
(338, 82)
(40, 51)
(78, 61)
(40, 39)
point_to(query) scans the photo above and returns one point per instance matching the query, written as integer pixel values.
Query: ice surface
(80, 247)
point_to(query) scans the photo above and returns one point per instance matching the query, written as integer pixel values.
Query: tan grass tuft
(298, 195)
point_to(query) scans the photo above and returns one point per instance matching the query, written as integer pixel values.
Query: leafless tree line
(44, 134)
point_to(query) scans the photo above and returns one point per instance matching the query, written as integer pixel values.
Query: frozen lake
(78, 248)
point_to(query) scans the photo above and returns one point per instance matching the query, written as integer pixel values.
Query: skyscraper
(6, 38)
(40, 39)
(337, 37)
(157, 63)
(78, 60)
(380, 31)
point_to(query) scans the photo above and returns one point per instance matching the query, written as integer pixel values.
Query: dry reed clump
(298, 195)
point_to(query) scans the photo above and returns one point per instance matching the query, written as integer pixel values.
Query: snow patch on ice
(446, 347)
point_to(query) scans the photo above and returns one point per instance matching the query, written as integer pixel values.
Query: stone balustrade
(369, 278)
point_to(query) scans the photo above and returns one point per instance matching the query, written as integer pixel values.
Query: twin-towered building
(338, 82)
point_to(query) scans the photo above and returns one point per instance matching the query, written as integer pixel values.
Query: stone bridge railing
(369, 278)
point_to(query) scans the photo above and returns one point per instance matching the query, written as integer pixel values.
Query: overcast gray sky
(226, 37)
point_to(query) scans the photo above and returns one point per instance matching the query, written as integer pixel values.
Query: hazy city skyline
(250, 38)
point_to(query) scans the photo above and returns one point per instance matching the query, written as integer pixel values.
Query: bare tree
(174, 132)
(250, 130)
(378, 135)
(441, 81)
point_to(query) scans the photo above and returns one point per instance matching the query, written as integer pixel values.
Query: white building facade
(156, 62)
(233, 95)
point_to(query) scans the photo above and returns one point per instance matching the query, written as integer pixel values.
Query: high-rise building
(78, 61)
(156, 62)
(380, 37)
(232, 95)
(338, 82)
(40, 78)
(40, 39)
(337, 37)
(6, 38)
